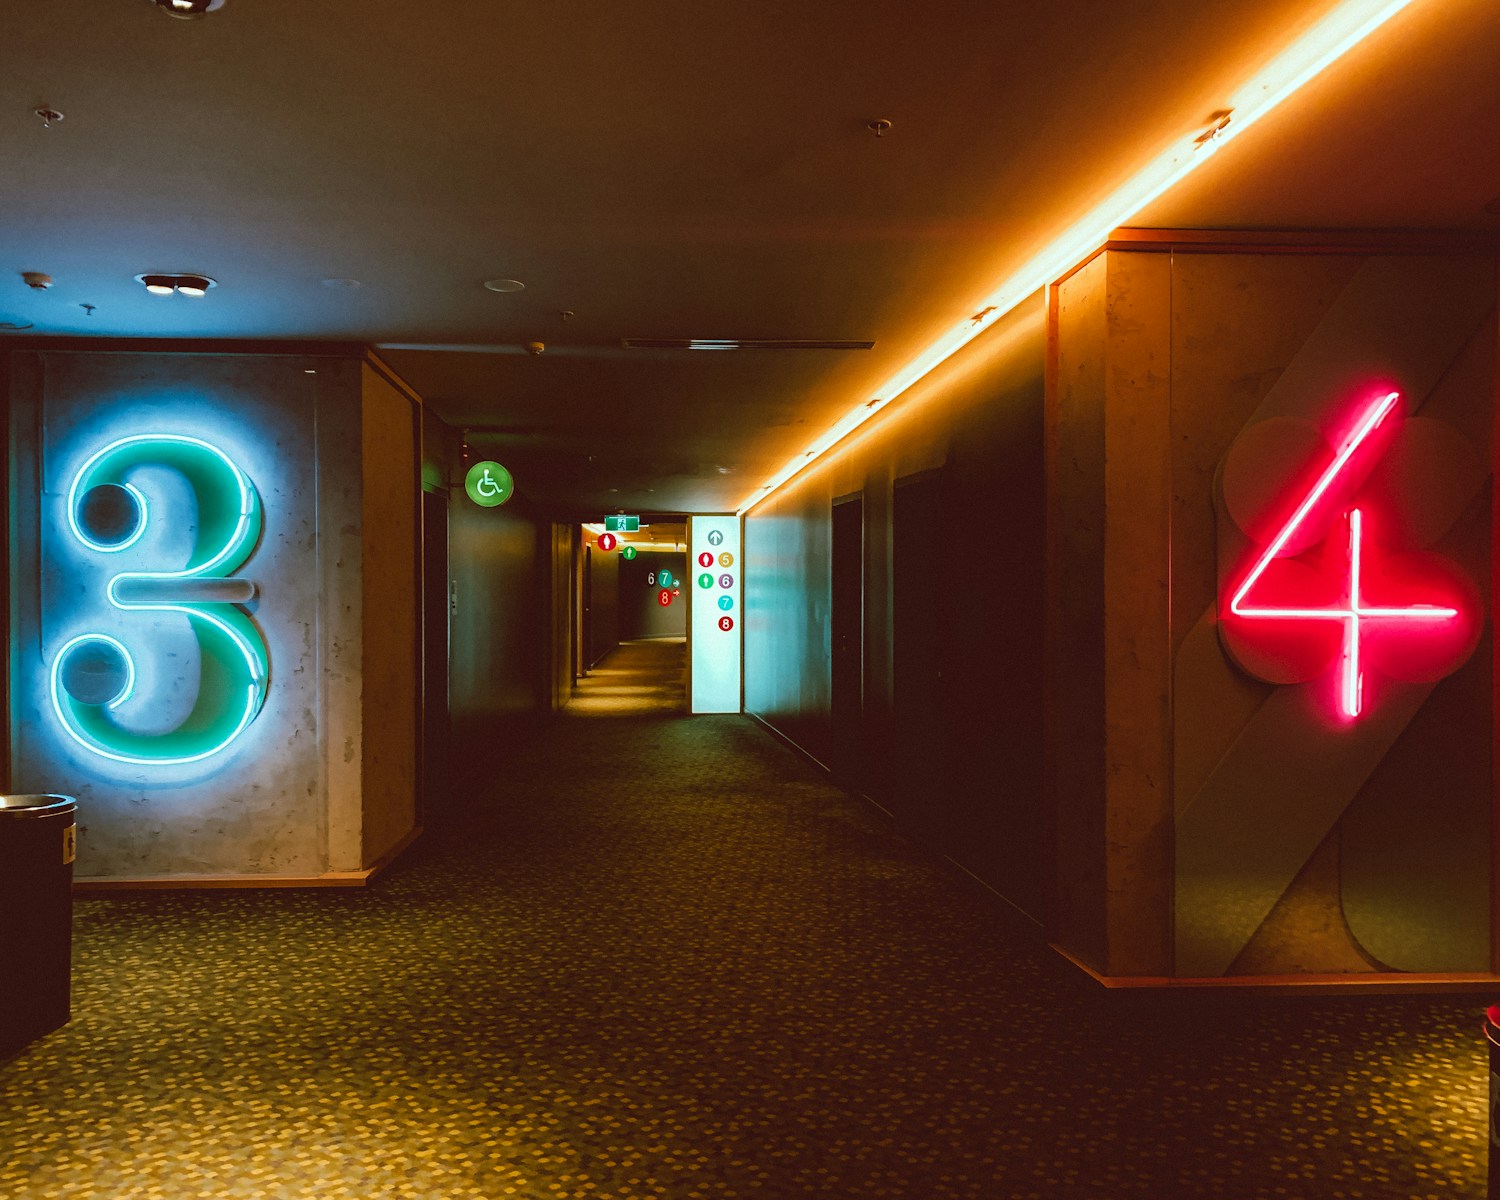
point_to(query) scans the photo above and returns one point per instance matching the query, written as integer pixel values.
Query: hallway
(661, 957)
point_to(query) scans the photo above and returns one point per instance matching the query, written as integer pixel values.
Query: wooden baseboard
(1390, 982)
(165, 883)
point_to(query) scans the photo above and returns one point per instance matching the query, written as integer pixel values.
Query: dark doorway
(586, 613)
(847, 622)
(920, 640)
(436, 740)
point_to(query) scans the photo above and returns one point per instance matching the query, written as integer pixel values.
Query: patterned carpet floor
(661, 957)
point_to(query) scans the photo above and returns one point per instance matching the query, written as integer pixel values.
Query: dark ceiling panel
(661, 169)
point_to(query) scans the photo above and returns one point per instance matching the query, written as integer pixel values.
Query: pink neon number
(1350, 609)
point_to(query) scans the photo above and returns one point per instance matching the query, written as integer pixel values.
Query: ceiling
(665, 169)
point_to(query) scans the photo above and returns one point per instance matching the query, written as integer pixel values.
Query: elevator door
(847, 668)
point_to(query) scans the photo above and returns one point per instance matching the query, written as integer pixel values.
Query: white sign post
(716, 618)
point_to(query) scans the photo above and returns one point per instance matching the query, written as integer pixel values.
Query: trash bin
(36, 916)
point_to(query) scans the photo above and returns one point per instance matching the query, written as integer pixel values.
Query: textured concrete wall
(267, 803)
(1211, 822)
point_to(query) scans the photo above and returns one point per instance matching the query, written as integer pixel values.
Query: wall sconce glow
(1255, 598)
(1324, 44)
(94, 674)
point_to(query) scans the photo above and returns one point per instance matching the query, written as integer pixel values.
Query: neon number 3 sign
(1312, 604)
(94, 674)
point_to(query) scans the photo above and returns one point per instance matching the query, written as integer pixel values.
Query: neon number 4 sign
(1410, 617)
(94, 674)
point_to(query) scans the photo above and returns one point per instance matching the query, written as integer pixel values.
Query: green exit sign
(622, 524)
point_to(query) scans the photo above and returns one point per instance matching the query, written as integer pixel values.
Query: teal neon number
(108, 514)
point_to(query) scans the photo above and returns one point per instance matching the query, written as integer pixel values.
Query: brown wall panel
(498, 655)
(390, 654)
(1075, 611)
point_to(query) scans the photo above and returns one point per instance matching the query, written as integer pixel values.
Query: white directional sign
(716, 624)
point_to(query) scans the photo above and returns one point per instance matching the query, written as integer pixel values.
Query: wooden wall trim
(1303, 985)
(168, 883)
(1253, 241)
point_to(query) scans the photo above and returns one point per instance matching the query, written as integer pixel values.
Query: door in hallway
(920, 643)
(435, 648)
(847, 620)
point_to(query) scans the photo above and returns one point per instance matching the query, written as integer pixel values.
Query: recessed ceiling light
(14, 326)
(159, 283)
(347, 285)
(188, 10)
(505, 285)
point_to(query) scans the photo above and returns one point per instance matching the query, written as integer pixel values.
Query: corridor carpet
(655, 956)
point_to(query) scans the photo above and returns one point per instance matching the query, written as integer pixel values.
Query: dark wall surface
(602, 598)
(642, 615)
(496, 631)
(976, 427)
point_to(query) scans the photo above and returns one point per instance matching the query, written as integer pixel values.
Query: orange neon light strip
(1325, 43)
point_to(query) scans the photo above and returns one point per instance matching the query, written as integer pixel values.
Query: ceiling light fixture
(188, 10)
(635, 343)
(504, 285)
(162, 284)
(1304, 59)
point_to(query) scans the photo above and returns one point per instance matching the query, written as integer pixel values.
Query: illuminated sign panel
(714, 603)
(489, 484)
(94, 674)
(1323, 596)
(622, 524)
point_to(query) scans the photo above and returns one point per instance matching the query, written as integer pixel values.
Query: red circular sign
(726, 623)
(664, 597)
(608, 541)
(705, 559)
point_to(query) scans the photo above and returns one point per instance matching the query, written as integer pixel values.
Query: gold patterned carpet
(657, 956)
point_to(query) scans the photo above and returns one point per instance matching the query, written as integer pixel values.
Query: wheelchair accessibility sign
(488, 484)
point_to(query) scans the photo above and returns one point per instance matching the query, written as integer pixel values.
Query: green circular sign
(628, 552)
(488, 484)
(664, 577)
(705, 580)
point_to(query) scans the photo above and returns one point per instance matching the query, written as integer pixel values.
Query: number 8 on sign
(726, 623)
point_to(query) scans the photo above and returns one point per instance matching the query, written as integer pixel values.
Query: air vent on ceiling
(737, 344)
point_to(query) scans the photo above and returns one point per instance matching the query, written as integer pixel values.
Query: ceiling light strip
(1324, 44)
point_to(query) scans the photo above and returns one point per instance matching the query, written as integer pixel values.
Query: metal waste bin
(37, 837)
